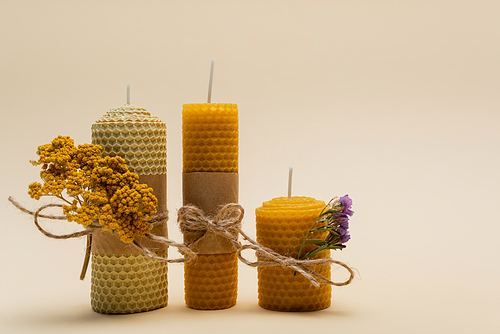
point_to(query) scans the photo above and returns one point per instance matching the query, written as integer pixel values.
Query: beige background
(394, 102)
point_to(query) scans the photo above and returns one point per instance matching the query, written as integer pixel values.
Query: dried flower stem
(87, 257)
(311, 228)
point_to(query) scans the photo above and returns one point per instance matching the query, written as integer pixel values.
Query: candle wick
(290, 173)
(209, 99)
(128, 93)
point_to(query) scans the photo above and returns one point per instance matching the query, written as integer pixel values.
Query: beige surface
(394, 102)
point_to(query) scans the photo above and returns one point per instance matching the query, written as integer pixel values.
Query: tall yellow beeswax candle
(123, 279)
(210, 179)
(282, 224)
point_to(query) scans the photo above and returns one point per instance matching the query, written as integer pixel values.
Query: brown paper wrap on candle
(208, 191)
(107, 242)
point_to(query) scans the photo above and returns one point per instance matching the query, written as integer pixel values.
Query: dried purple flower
(336, 216)
(346, 203)
(346, 237)
(342, 231)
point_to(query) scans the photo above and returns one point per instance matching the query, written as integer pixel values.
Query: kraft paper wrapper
(209, 191)
(107, 242)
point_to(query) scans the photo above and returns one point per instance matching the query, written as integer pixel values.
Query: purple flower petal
(344, 224)
(342, 231)
(340, 215)
(346, 237)
(348, 211)
(346, 201)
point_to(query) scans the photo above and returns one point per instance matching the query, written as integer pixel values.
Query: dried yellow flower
(95, 188)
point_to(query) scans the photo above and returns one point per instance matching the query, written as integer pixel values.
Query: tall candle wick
(209, 99)
(290, 173)
(128, 93)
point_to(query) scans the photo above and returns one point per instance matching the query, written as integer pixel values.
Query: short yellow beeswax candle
(210, 179)
(282, 224)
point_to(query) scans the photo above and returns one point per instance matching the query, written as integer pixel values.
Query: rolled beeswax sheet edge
(209, 191)
(281, 220)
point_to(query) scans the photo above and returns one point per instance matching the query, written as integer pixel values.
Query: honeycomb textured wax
(210, 137)
(140, 284)
(127, 284)
(282, 224)
(132, 133)
(210, 144)
(211, 282)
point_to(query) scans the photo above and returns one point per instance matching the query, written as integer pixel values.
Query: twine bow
(189, 255)
(271, 258)
(227, 223)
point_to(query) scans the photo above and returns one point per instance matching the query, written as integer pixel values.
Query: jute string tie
(159, 218)
(227, 223)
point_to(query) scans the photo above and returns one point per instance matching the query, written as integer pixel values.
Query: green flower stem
(309, 232)
(64, 199)
(87, 257)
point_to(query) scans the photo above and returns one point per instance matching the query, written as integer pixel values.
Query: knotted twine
(227, 223)
(159, 218)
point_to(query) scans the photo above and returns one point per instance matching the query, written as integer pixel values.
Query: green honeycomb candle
(134, 134)
(127, 283)
(282, 224)
(123, 279)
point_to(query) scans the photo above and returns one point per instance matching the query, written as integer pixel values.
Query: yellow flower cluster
(99, 189)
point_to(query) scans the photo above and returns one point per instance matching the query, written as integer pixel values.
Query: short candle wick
(290, 173)
(209, 99)
(128, 93)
